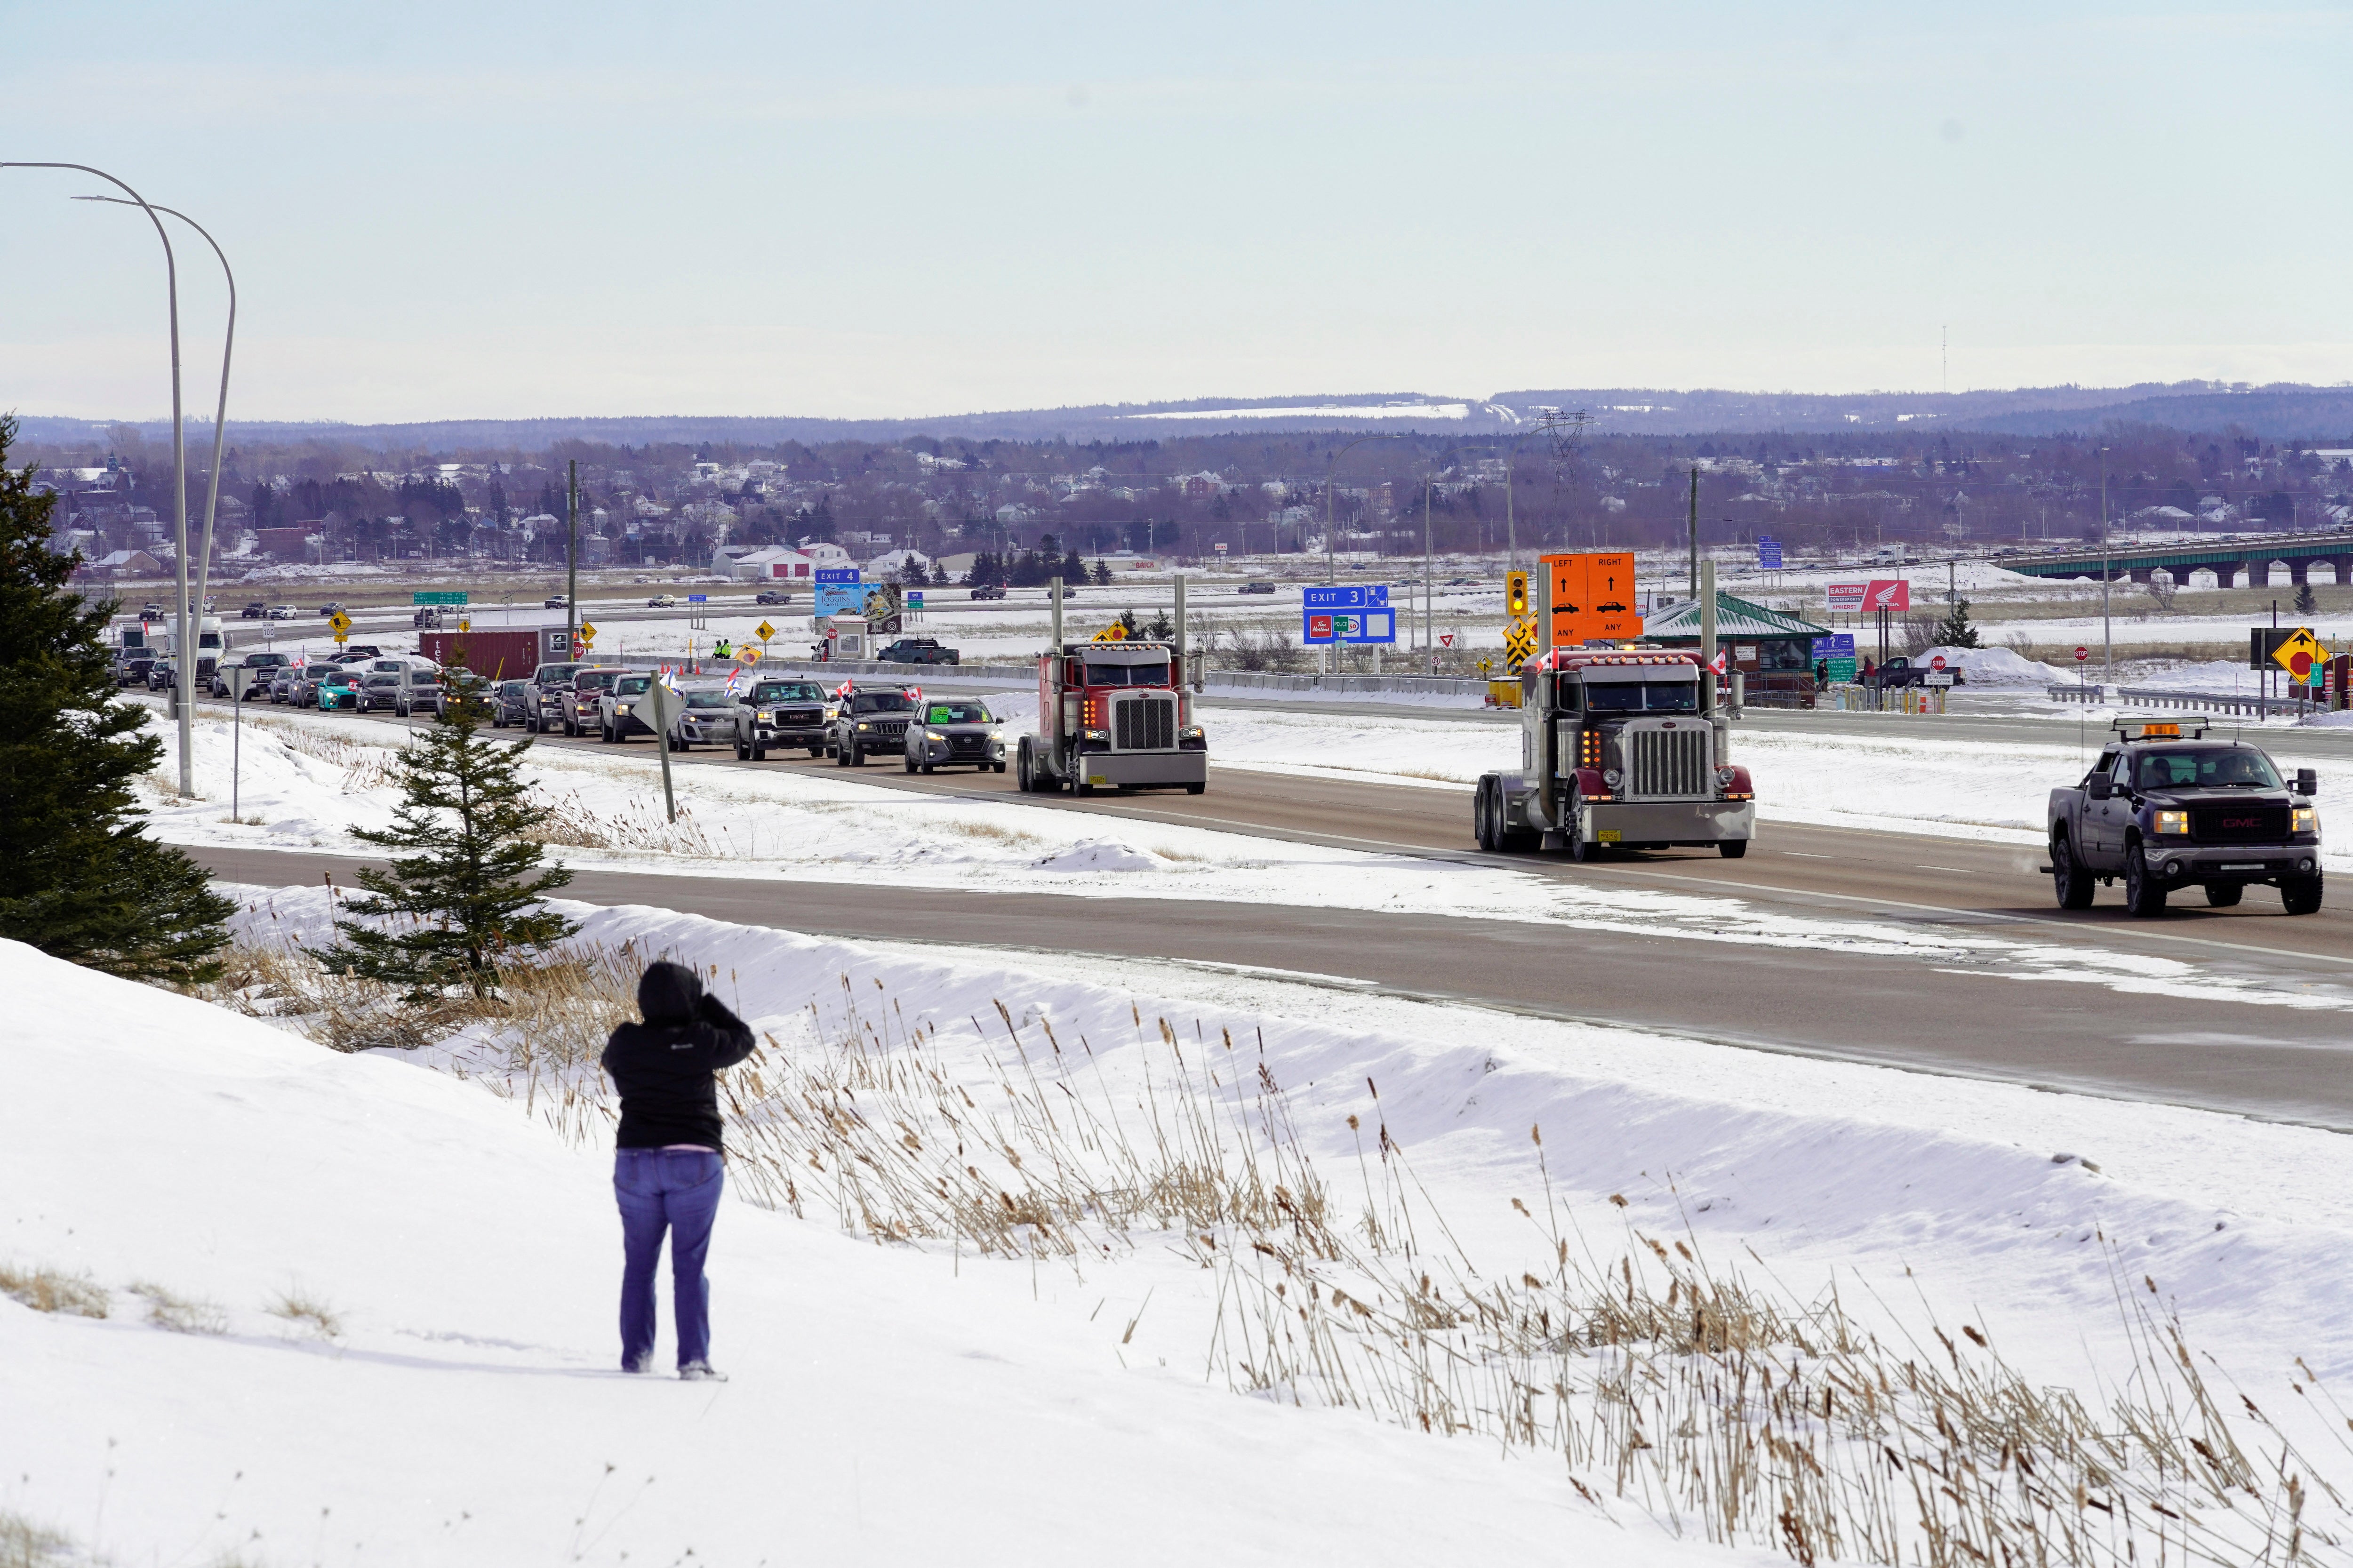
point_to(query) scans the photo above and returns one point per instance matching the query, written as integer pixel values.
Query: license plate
(1097, 779)
(1608, 836)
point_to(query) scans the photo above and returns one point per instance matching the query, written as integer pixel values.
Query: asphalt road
(1991, 1020)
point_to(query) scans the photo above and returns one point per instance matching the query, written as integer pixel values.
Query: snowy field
(395, 1284)
(307, 782)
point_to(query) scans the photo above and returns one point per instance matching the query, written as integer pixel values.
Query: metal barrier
(2259, 705)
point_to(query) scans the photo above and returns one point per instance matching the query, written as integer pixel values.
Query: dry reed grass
(640, 825)
(166, 1309)
(24, 1544)
(53, 1290)
(302, 1310)
(1730, 1412)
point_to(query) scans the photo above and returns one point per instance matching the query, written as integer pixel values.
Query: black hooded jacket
(664, 1067)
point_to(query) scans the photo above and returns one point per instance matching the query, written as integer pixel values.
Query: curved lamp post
(220, 409)
(186, 673)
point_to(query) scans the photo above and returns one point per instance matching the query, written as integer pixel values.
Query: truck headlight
(1612, 777)
(1102, 735)
(2172, 822)
(865, 726)
(2304, 819)
(620, 708)
(1723, 778)
(1190, 733)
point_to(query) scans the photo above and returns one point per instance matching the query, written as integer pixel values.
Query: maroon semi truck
(1116, 716)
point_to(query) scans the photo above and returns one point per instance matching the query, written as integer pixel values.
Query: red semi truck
(1114, 715)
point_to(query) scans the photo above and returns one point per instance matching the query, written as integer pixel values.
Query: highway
(1998, 1018)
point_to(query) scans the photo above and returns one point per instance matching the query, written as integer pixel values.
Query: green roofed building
(1774, 649)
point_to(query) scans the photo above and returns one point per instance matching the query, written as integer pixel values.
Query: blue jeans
(675, 1190)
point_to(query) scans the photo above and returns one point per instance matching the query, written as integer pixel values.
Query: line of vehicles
(1620, 750)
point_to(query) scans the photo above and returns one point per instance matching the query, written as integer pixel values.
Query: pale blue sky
(444, 211)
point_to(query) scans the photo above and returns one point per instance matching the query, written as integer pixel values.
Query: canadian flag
(1718, 663)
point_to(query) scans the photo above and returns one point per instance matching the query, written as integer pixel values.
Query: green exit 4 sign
(456, 598)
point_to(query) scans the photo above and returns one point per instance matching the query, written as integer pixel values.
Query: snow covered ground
(914, 1401)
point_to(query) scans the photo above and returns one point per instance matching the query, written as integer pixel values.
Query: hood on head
(667, 993)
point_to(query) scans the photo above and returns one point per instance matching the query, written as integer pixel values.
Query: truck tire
(1733, 848)
(1486, 815)
(743, 748)
(2222, 895)
(2301, 895)
(2144, 895)
(1023, 780)
(1201, 788)
(841, 756)
(857, 755)
(2069, 880)
(1581, 850)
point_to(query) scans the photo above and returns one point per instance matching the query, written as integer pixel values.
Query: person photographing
(667, 1167)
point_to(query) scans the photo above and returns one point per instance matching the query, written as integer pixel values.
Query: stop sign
(2082, 654)
(1937, 662)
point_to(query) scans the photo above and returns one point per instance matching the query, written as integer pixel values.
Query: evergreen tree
(77, 879)
(1074, 570)
(1954, 630)
(2306, 602)
(1101, 577)
(465, 900)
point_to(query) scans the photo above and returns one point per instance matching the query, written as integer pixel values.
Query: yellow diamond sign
(341, 622)
(2300, 654)
(748, 656)
(588, 632)
(763, 631)
(1115, 631)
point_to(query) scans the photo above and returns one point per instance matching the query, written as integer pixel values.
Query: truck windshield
(788, 691)
(2208, 767)
(880, 702)
(1127, 675)
(1643, 696)
(633, 686)
(709, 699)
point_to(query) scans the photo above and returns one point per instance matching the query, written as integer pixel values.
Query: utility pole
(2107, 639)
(1694, 531)
(1428, 578)
(572, 564)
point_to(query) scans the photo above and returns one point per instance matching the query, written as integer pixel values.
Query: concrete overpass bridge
(2251, 555)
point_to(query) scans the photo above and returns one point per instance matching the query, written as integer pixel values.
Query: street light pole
(220, 411)
(1331, 564)
(186, 673)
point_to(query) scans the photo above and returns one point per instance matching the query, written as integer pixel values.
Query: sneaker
(700, 1372)
(638, 1365)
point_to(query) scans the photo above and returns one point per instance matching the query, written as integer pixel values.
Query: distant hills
(2279, 412)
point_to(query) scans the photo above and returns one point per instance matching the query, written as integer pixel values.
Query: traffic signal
(1515, 593)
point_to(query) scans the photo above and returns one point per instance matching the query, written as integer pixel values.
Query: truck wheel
(2301, 895)
(1733, 848)
(2069, 880)
(2222, 895)
(998, 766)
(1486, 816)
(1197, 789)
(1580, 849)
(1079, 784)
(2144, 895)
(817, 751)
(743, 749)
(841, 756)
(857, 755)
(1023, 780)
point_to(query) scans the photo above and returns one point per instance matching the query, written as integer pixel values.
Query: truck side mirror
(2306, 782)
(2099, 786)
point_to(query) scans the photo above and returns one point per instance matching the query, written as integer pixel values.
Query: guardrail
(2259, 705)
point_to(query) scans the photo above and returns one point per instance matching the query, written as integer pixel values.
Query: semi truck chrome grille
(1143, 724)
(2239, 824)
(1663, 763)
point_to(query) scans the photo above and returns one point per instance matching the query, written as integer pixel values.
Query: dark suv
(781, 713)
(543, 703)
(919, 650)
(872, 718)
